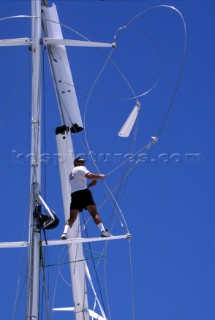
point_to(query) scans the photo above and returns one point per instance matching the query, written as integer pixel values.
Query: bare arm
(93, 176)
(91, 184)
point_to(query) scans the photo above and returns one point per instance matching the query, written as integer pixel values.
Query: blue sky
(168, 204)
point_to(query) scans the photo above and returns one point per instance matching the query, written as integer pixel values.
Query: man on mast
(81, 197)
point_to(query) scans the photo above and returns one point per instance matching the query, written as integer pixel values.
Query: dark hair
(79, 159)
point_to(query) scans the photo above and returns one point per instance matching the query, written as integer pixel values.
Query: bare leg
(69, 223)
(94, 213)
(72, 218)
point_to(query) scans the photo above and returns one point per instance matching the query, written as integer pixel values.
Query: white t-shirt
(77, 178)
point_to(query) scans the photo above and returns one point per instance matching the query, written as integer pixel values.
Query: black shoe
(105, 234)
(64, 236)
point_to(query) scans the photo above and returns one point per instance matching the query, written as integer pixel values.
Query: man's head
(79, 161)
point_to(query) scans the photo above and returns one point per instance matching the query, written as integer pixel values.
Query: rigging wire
(91, 93)
(183, 56)
(94, 267)
(61, 257)
(119, 32)
(144, 93)
(19, 291)
(87, 143)
(45, 291)
(131, 278)
(60, 264)
(44, 175)
(168, 111)
(150, 144)
(18, 295)
(84, 287)
(44, 253)
(105, 281)
(124, 175)
(134, 96)
(85, 38)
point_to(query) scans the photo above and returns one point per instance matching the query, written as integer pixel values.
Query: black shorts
(81, 200)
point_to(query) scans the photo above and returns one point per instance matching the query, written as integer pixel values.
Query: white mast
(34, 231)
(71, 120)
(77, 265)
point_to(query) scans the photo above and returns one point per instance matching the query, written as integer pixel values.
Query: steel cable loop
(121, 29)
